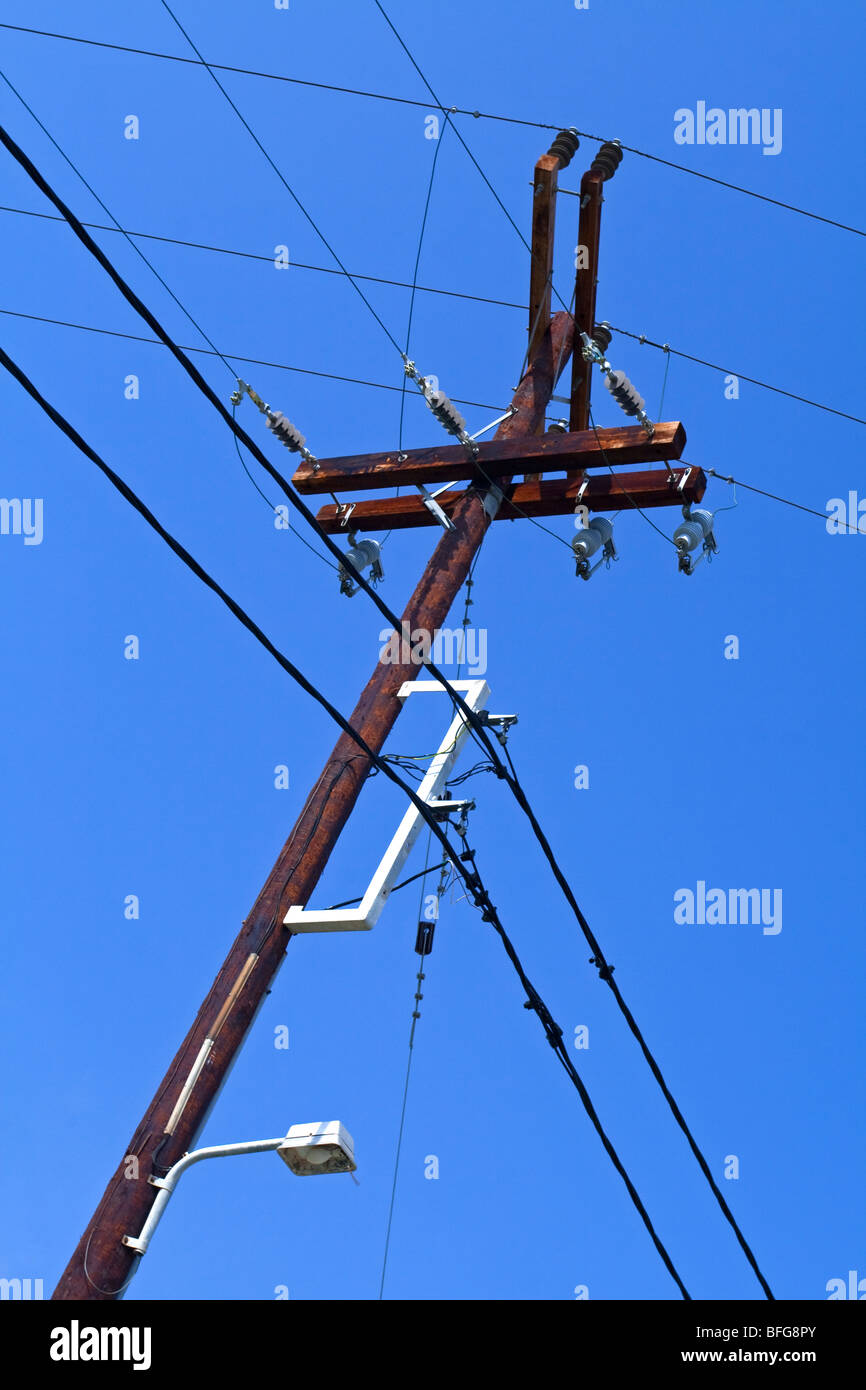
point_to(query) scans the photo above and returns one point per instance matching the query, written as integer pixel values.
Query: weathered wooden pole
(101, 1264)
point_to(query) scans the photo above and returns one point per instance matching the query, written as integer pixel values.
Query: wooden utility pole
(101, 1263)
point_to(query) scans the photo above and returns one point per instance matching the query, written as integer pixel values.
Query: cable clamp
(605, 971)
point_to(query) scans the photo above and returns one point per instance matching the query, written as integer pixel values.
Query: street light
(307, 1150)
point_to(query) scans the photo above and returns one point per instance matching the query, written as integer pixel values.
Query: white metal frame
(476, 693)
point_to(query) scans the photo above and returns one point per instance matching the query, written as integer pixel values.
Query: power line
(605, 971)
(235, 356)
(634, 504)
(415, 280)
(554, 1037)
(269, 260)
(427, 84)
(665, 347)
(283, 180)
(318, 554)
(723, 183)
(425, 289)
(480, 733)
(454, 110)
(137, 249)
(471, 879)
(738, 482)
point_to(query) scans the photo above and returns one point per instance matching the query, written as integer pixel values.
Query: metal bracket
(512, 410)
(443, 809)
(687, 472)
(434, 509)
(499, 723)
(492, 501)
(476, 693)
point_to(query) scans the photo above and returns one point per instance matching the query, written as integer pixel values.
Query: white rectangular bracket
(476, 693)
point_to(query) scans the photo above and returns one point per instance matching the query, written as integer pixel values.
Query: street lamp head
(318, 1148)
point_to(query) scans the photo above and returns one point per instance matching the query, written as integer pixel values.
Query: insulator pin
(625, 395)
(608, 159)
(565, 147)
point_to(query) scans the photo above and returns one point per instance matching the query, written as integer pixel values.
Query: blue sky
(155, 777)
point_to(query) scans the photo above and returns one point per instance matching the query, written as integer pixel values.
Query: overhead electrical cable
(107, 210)
(727, 371)
(420, 289)
(454, 110)
(284, 181)
(236, 356)
(479, 731)
(471, 879)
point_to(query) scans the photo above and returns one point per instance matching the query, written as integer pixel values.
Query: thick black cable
(479, 731)
(605, 971)
(470, 878)
(107, 210)
(297, 535)
(242, 616)
(454, 110)
(554, 1036)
